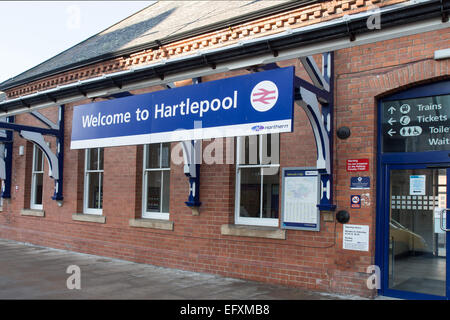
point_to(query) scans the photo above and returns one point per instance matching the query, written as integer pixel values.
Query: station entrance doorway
(413, 193)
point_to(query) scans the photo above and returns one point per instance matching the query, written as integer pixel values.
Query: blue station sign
(257, 103)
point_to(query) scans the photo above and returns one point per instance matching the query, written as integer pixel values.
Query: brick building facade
(366, 70)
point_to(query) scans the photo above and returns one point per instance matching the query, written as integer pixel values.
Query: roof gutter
(341, 32)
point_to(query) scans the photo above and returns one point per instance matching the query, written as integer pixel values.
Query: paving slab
(34, 272)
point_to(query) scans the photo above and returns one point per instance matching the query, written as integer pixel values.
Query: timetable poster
(300, 199)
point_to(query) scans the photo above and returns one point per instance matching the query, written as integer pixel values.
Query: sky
(34, 31)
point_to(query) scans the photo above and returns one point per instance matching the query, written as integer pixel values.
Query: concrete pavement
(33, 272)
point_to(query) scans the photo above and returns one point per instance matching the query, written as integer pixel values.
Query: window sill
(32, 212)
(253, 231)
(88, 217)
(152, 224)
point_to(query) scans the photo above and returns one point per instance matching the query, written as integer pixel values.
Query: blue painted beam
(57, 160)
(323, 95)
(19, 127)
(314, 73)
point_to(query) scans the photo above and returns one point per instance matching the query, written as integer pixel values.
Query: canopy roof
(159, 23)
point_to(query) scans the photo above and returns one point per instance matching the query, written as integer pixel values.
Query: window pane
(38, 179)
(249, 150)
(166, 191)
(165, 161)
(38, 159)
(250, 192)
(92, 159)
(100, 165)
(270, 193)
(94, 190)
(153, 191)
(152, 160)
(270, 149)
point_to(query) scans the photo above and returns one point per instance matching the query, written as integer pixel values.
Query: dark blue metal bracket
(309, 96)
(317, 100)
(35, 135)
(192, 157)
(58, 195)
(6, 153)
(326, 202)
(192, 154)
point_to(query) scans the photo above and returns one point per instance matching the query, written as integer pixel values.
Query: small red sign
(354, 165)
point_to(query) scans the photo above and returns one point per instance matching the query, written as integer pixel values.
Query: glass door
(417, 250)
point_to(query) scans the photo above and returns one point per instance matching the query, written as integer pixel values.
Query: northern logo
(257, 128)
(264, 96)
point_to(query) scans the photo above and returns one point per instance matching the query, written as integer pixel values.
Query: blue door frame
(411, 160)
(385, 246)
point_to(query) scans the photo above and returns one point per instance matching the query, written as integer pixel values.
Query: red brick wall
(364, 74)
(312, 260)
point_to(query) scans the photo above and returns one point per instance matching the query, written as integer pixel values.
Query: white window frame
(1, 192)
(34, 173)
(152, 214)
(86, 209)
(268, 222)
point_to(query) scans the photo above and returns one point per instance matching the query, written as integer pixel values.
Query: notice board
(300, 197)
